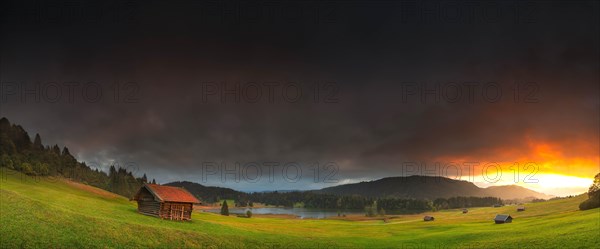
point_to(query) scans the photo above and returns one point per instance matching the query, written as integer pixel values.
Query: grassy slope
(49, 213)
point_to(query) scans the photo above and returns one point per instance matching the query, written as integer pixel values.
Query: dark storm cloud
(366, 50)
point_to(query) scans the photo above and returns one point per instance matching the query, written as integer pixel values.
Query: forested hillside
(18, 152)
(209, 194)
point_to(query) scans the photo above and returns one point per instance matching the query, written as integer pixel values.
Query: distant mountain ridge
(514, 192)
(429, 187)
(410, 187)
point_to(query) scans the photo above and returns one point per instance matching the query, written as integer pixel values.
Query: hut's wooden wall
(176, 211)
(147, 205)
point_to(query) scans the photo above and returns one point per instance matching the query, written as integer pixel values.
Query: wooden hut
(165, 202)
(428, 218)
(464, 211)
(521, 209)
(503, 218)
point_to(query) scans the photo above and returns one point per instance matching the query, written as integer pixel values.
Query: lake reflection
(300, 212)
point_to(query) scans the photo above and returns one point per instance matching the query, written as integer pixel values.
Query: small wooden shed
(428, 218)
(464, 211)
(503, 218)
(165, 202)
(521, 209)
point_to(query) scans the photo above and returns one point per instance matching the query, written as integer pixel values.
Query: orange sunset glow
(553, 168)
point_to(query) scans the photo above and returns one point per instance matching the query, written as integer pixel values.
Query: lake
(300, 212)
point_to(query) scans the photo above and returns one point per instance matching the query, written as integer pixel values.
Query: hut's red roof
(171, 194)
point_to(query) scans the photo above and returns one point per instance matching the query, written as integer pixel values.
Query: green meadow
(56, 213)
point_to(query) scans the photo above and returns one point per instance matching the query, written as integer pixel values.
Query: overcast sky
(369, 87)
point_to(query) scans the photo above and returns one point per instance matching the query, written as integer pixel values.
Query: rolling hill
(428, 187)
(43, 212)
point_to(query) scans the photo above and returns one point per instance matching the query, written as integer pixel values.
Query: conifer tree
(37, 143)
(225, 209)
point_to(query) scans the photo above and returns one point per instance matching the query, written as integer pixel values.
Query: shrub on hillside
(6, 162)
(593, 194)
(27, 169)
(590, 203)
